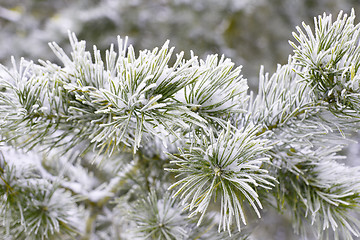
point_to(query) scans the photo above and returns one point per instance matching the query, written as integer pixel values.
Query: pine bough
(155, 146)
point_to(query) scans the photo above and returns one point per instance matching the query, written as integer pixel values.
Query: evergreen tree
(156, 146)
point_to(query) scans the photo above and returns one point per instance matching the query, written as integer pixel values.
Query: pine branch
(228, 166)
(224, 150)
(330, 59)
(32, 206)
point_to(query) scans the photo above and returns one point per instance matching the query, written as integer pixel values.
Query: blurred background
(250, 32)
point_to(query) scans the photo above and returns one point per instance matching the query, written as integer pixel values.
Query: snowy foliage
(153, 145)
